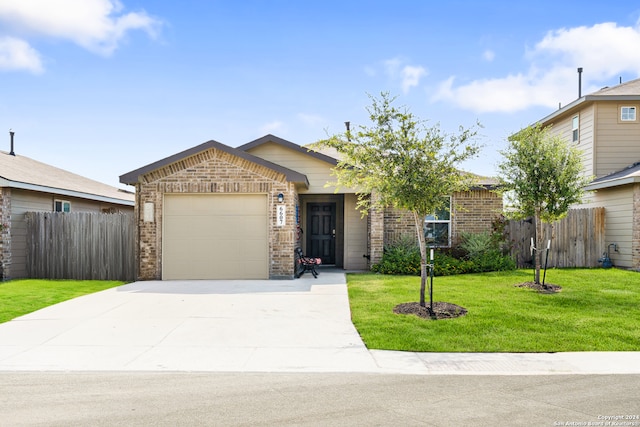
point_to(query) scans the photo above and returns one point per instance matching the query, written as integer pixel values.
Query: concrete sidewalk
(243, 326)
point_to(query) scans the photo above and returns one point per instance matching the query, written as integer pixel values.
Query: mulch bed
(441, 310)
(547, 288)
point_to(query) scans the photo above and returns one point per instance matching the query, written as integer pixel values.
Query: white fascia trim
(60, 191)
(612, 183)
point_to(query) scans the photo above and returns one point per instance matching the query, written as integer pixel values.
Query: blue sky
(102, 87)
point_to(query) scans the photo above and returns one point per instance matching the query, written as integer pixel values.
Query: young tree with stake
(398, 161)
(542, 177)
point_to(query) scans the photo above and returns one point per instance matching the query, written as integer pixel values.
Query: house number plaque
(281, 215)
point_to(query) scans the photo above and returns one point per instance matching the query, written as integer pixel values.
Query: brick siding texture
(214, 171)
(473, 212)
(5, 234)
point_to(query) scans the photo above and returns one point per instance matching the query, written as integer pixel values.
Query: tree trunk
(423, 256)
(537, 253)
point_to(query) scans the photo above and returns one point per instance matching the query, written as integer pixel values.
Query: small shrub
(487, 252)
(480, 253)
(493, 260)
(475, 244)
(402, 257)
(447, 265)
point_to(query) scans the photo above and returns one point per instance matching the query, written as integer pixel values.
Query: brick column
(376, 234)
(5, 234)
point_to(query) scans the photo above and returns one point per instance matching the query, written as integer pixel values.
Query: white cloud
(97, 25)
(411, 77)
(311, 119)
(488, 55)
(370, 71)
(272, 127)
(408, 75)
(603, 50)
(17, 55)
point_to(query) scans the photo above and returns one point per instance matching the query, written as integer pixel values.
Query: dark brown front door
(321, 234)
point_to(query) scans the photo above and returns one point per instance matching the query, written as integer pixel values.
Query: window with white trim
(628, 114)
(575, 128)
(61, 206)
(437, 227)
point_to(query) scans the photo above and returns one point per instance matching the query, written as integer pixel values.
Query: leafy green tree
(398, 161)
(542, 177)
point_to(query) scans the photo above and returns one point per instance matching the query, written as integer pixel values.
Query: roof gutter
(70, 193)
(612, 183)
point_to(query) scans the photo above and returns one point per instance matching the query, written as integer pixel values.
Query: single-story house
(27, 185)
(217, 212)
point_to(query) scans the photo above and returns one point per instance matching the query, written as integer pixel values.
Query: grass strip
(597, 310)
(20, 297)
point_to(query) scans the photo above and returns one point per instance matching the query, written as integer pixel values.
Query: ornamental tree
(398, 161)
(542, 177)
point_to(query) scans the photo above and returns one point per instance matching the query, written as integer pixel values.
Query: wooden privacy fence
(81, 246)
(576, 241)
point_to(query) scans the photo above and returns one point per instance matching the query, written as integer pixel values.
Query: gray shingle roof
(23, 172)
(132, 177)
(632, 87)
(629, 91)
(628, 175)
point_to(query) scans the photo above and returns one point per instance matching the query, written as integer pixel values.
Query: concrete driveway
(301, 325)
(288, 325)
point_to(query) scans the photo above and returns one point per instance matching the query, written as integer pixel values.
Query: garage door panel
(252, 253)
(215, 237)
(253, 227)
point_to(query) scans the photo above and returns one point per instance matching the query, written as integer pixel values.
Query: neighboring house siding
(563, 128)
(23, 201)
(619, 217)
(618, 143)
(586, 142)
(355, 232)
(636, 227)
(317, 171)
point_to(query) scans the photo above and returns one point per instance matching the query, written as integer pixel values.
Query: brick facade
(214, 171)
(473, 212)
(375, 228)
(5, 233)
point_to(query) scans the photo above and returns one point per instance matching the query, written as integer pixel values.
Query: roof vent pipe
(348, 126)
(580, 82)
(11, 132)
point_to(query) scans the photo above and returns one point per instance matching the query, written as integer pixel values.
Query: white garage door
(215, 236)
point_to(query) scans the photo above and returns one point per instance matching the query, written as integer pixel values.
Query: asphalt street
(315, 399)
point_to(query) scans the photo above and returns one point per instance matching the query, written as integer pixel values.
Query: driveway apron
(254, 325)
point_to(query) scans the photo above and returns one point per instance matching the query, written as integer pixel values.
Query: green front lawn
(597, 310)
(19, 297)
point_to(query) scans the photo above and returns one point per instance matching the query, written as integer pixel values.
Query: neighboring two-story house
(605, 126)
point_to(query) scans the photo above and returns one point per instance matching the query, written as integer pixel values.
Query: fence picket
(80, 245)
(576, 241)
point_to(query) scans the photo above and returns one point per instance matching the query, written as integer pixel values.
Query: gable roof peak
(131, 178)
(287, 144)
